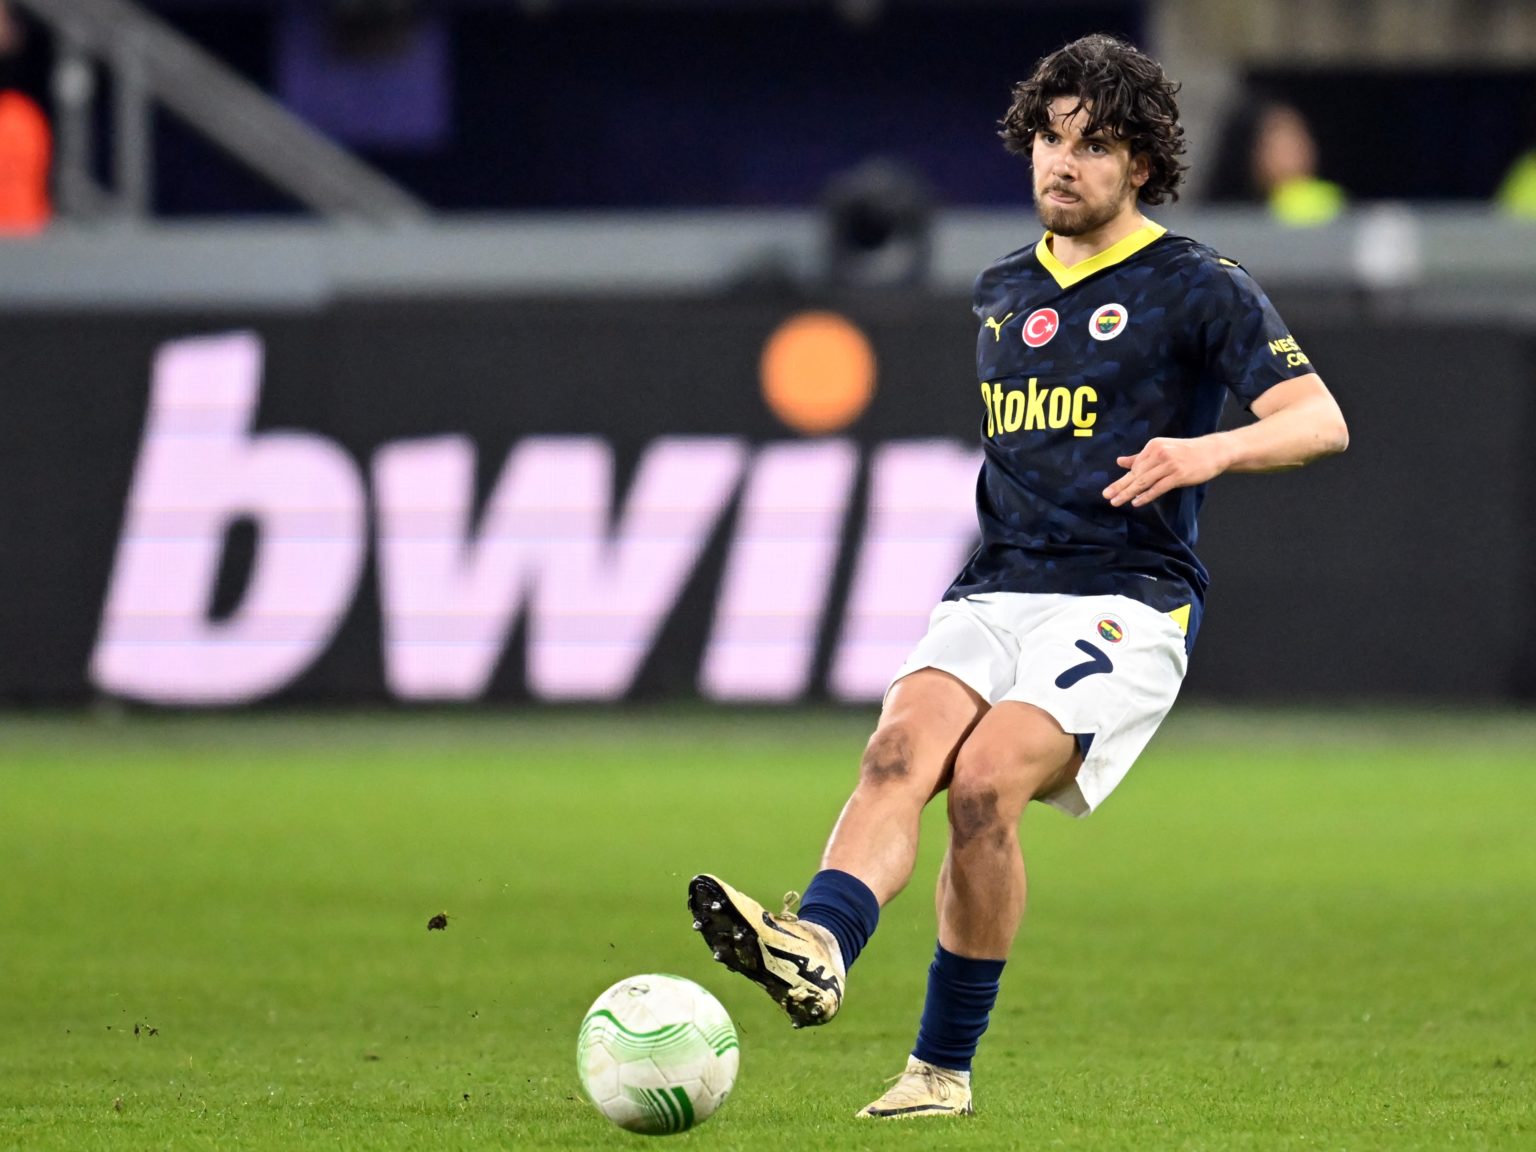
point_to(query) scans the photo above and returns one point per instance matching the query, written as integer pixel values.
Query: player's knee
(976, 814)
(985, 800)
(995, 781)
(887, 757)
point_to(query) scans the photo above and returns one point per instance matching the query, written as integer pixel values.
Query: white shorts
(1107, 668)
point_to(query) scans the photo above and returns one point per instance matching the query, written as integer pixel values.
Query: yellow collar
(1066, 277)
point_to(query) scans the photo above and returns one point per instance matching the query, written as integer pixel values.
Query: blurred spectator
(1268, 155)
(12, 34)
(879, 223)
(1517, 191)
(1516, 194)
(26, 145)
(372, 73)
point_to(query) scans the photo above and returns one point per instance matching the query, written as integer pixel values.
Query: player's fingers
(1127, 488)
(1118, 487)
(1145, 468)
(1129, 479)
(1137, 483)
(1166, 484)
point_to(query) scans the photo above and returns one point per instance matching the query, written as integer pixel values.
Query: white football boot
(924, 1089)
(797, 963)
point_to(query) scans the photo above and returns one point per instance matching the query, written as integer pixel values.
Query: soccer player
(1104, 355)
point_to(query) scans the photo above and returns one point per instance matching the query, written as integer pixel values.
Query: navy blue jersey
(1080, 365)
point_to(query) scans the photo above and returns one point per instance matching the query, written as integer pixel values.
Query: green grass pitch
(1286, 931)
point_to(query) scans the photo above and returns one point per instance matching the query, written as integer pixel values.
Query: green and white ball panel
(657, 1054)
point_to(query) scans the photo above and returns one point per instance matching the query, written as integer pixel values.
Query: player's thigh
(1015, 753)
(926, 717)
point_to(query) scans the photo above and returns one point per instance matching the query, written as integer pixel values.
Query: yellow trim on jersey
(1066, 277)
(1180, 616)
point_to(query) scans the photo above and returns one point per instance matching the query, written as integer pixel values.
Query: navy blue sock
(961, 993)
(842, 904)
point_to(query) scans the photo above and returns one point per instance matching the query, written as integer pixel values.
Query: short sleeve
(1246, 344)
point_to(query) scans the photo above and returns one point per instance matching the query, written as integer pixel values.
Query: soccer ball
(657, 1054)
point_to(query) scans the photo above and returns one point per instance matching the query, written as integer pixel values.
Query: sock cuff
(844, 905)
(965, 969)
(848, 887)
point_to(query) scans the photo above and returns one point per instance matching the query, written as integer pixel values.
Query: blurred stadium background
(381, 374)
(664, 307)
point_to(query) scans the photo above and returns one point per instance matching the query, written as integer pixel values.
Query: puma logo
(790, 965)
(770, 922)
(997, 326)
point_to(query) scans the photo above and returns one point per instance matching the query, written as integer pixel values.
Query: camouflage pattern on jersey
(1080, 365)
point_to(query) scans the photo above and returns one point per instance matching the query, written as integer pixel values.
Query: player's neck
(1070, 250)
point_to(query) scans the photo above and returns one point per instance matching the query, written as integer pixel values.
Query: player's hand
(1163, 465)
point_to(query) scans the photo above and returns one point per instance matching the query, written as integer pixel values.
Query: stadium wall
(588, 498)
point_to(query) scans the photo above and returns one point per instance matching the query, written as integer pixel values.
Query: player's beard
(1082, 217)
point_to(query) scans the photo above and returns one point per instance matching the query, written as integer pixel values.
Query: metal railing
(152, 62)
(1438, 260)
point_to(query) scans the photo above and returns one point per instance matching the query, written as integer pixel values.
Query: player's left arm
(1298, 422)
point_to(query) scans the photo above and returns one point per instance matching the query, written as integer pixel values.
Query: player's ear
(1141, 169)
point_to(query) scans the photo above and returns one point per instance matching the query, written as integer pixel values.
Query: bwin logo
(594, 576)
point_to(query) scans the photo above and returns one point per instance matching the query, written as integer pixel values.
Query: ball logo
(1108, 322)
(1041, 326)
(1110, 629)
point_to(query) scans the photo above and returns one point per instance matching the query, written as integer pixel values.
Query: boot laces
(791, 902)
(925, 1081)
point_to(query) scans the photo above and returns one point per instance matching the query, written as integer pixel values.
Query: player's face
(1082, 183)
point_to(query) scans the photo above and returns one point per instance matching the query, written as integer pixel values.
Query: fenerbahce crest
(1108, 322)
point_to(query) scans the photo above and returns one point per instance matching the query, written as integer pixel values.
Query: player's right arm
(1298, 422)
(1245, 344)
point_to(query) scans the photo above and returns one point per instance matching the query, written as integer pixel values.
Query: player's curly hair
(1125, 91)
